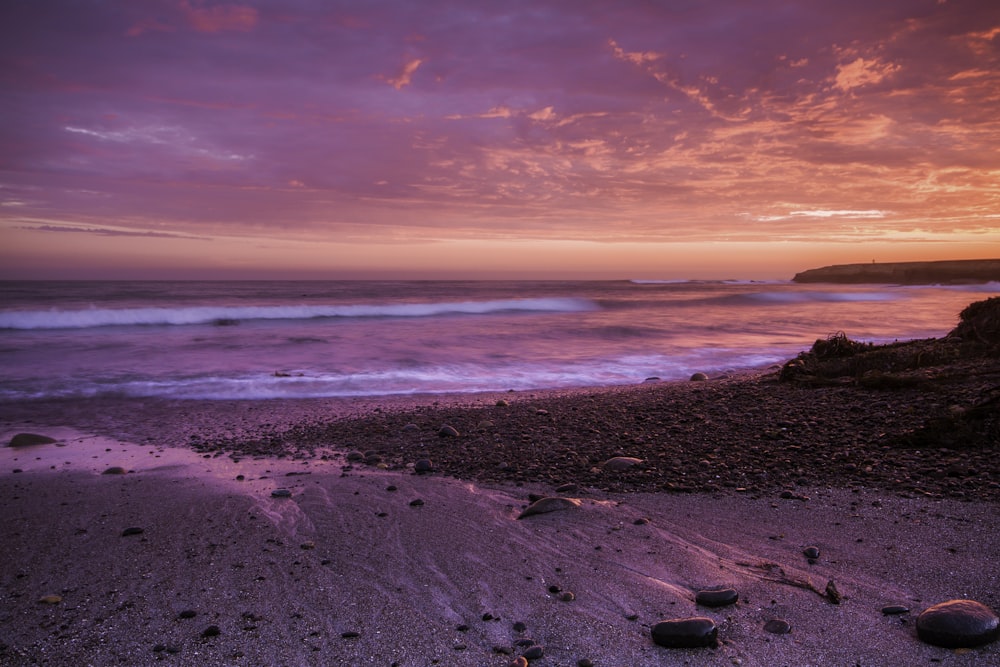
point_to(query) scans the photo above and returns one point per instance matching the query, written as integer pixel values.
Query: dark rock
(211, 631)
(895, 610)
(778, 626)
(411, 428)
(691, 632)
(132, 530)
(567, 488)
(448, 431)
(114, 470)
(416, 502)
(281, 493)
(958, 624)
(699, 377)
(520, 626)
(187, 613)
(30, 439)
(717, 598)
(811, 552)
(355, 457)
(350, 634)
(584, 662)
(533, 653)
(832, 594)
(423, 466)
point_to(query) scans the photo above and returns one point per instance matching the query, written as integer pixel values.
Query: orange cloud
(221, 17)
(406, 74)
(863, 72)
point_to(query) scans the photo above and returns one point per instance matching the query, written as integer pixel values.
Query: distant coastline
(906, 273)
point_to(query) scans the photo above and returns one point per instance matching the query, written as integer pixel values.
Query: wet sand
(349, 570)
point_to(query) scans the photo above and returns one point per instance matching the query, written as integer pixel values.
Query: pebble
(350, 634)
(355, 457)
(699, 377)
(719, 597)
(411, 428)
(187, 613)
(114, 470)
(584, 662)
(533, 653)
(132, 530)
(778, 626)
(519, 661)
(448, 431)
(423, 466)
(50, 599)
(811, 552)
(622, 463)
(281, 493)
(211, 631)
(416, 502)
(693, 632)
(549, 504)
(895, 610)
(958, 624)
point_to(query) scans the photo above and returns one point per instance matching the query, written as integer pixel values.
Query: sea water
(253, 340)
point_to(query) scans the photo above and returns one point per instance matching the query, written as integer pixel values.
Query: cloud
(861, 72)
(220, 18)
(107, 231)
(405, 74)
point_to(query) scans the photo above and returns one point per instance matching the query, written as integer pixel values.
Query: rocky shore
(837, 509)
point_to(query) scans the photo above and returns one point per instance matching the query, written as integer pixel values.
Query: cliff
(907, 273)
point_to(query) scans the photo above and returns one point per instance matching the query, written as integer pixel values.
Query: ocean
(289, 339)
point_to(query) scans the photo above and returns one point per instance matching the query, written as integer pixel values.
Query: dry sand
(347, 571)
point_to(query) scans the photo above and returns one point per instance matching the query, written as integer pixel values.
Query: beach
(392, 541)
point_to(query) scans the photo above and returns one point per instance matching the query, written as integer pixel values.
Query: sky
(508, 139)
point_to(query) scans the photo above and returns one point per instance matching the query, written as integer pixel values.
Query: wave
(813, 296)
(226, 315)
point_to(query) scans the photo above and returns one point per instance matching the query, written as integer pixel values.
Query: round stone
(423, 466)
(549, 504)
(448, 431)
(811, 552)
(699, 377)
(281, 493)
(958, 624)
(114, 470)
(30, 439)
(895, 610)
(717, 598)
(693, 632)
(778, 626)
(622, 463)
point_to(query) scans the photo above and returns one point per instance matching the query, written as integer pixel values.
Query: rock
(811, 552)
(502, 403)
(895, 610)
(411, 428)
(281, 493)
(622, 463)
(958, 624)
(114, 470)
(132, 530)
(567, 596)
(50, 599)
(355, 457)
(187, 613)
(211, 631)
(693, 632)
(448, 431)
(719, 597)
(416, 502)
(519, 661)
(549, 504)
(423, 466)
(699, 377)
(832, 594)
(533, 653)
(350, 634)
(30, 439)
(778, 626)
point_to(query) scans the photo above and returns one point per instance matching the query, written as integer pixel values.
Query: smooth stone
(281, 493)
(448, 431)
(411, 428)
(717, 598)
(621, 463)
(132, 530)
(549, 504)
(895, 610)
(114, 470)
(533, 653)
(211, 631)
(778, 626)
(50, 599)
(416, 502)
(355, 457)
(811, 552)
(699, 377)
(694, 632)
(422, 466)
(187, 613)
(958, 624)
(30, 439)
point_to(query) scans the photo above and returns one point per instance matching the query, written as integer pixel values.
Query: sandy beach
(188, 557)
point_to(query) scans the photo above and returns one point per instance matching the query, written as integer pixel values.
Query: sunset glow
(306, 139)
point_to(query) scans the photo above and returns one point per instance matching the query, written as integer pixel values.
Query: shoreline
(351, 569)
(186, 555)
